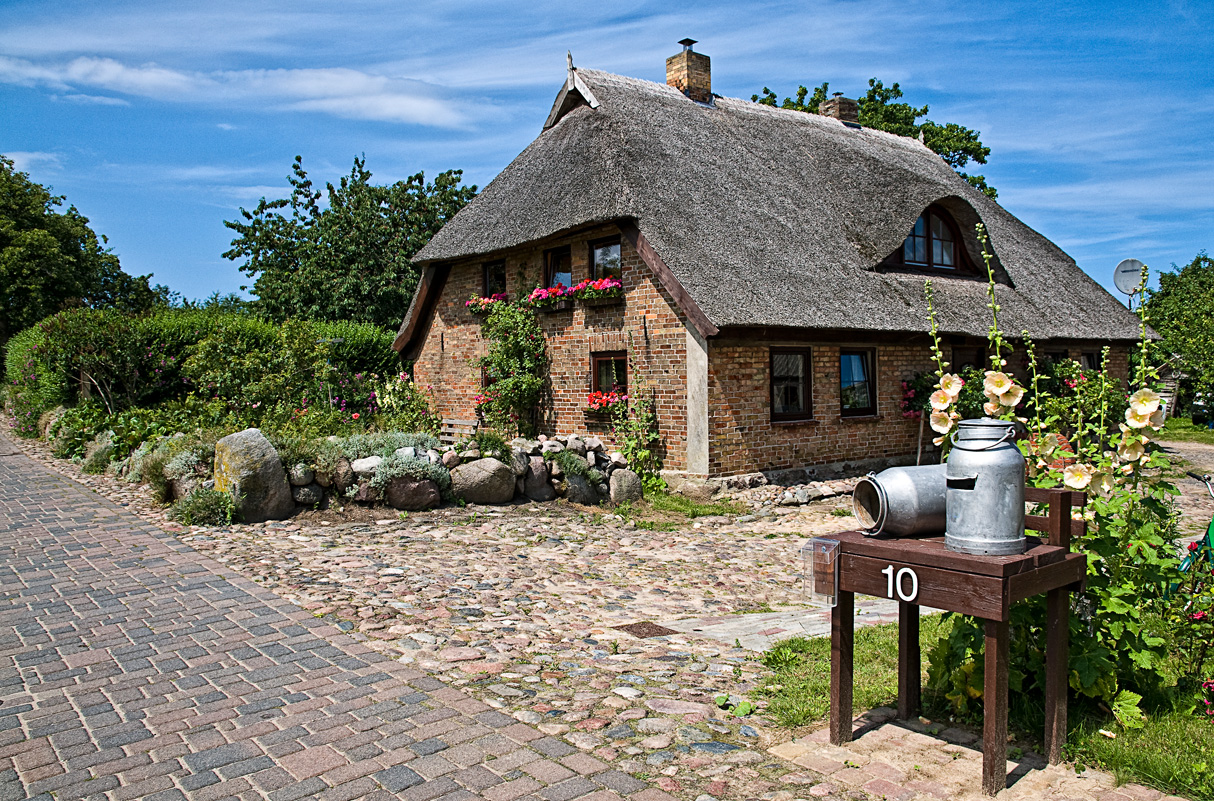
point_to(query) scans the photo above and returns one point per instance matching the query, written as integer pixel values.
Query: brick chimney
(841, 108)
(691, 73)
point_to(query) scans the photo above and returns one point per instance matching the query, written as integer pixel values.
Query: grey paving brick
(569, 789)
(397, 778)
(430, 746)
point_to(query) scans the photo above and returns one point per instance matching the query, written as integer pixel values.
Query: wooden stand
(923, 572)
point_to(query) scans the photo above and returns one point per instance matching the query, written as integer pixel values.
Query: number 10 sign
(904, 583)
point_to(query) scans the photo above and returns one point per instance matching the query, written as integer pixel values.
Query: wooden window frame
(548, 256)
(485, 267)
(593, 245)
(606, 356)
(791, 417)
(961, 258)
(871, 409)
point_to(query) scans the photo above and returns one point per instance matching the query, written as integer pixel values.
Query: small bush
(575, 465)
(488, 442)
(183, 464)
(204, 507)
(102, 454)
(75, 429)
(384, 443)
(32, 387)
(293, 450)
(396, 466)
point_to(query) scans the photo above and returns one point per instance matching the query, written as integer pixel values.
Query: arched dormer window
(934, 243)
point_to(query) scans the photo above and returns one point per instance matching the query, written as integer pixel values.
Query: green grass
(798, 691)
(1173, 753)
(681, 505)
(1181, 429)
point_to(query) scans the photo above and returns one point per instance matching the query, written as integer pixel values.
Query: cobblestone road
(132, 667)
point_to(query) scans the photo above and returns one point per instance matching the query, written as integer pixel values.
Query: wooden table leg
(1057, 648)
(909, 662)
(994, 698)
(842, 646)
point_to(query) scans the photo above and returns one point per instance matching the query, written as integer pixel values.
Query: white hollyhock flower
(951, 384)
(1144, 401)
(940, 400)
(1077, 476)
(941, 423)
(1012, 397)
(996, 383)
(1136, 420)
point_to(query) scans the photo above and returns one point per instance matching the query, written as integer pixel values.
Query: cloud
(340, 92)
(24, 160)
(98, 100)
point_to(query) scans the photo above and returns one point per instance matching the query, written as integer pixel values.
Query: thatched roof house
(764, 224)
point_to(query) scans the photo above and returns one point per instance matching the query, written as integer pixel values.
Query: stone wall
(646, 326)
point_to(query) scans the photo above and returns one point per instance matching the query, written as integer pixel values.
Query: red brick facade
(649, 327)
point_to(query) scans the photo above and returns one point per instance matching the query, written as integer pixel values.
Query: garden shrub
(488, 442)
(204, 507)
(575, 465)
(515, 368)
(32, 386)
(404, 406)
(384, 443)
(396, 466)
(634, 424)
(293, 449)
(96, 462)
(75, 429)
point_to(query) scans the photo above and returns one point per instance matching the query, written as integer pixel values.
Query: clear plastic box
(820, 569)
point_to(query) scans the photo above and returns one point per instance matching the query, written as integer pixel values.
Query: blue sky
(159, 120)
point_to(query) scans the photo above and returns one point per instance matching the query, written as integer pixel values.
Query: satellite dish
(1127, 275)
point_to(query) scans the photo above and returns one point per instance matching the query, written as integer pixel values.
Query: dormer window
(931, 243)
(934, 243)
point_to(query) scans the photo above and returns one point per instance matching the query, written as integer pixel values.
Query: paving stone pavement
(132, 667)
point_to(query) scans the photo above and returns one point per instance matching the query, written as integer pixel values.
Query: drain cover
(645, 630)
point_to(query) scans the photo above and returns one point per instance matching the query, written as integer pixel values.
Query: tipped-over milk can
(985, 496)
(901, 501)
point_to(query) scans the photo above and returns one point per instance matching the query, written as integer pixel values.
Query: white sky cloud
(23, 160)
(341, 92)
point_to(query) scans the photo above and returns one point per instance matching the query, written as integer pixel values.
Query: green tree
(52, 260)
(956, 144)
(351, 258)
(1181, 311)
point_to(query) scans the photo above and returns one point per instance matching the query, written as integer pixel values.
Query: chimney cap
(687, 43)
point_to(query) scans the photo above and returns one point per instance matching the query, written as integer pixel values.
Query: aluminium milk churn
(984, 499)
(901, 501)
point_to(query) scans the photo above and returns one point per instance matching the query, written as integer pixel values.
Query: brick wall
(743, 438)
(646, 326)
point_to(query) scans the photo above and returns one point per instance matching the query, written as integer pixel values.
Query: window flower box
(552, 299)
(602, 292)
(480, 307)
(605, 403)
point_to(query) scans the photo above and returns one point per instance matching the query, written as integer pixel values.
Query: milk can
(901, 501)
(985, 495)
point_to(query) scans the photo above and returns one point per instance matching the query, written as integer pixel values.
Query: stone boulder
(576, 445)
(450, 460)
(551, 446)
(248, 467)
(579, 490)
(308, 495)
(594, 444)
(625, 486)
(301, 475)
(518, 463)
(407, 452)
(483, 481)
(536, 485)
(181, 487)
(365, 468)
(343, 475)
(412, 494)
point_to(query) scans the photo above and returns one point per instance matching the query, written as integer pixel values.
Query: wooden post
(909, 662)
(994, 723)
(1057, 653)
(842, 646)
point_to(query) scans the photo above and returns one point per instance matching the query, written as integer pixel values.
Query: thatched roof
(769, 217)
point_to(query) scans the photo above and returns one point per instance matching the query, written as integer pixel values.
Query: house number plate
(902, 583)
